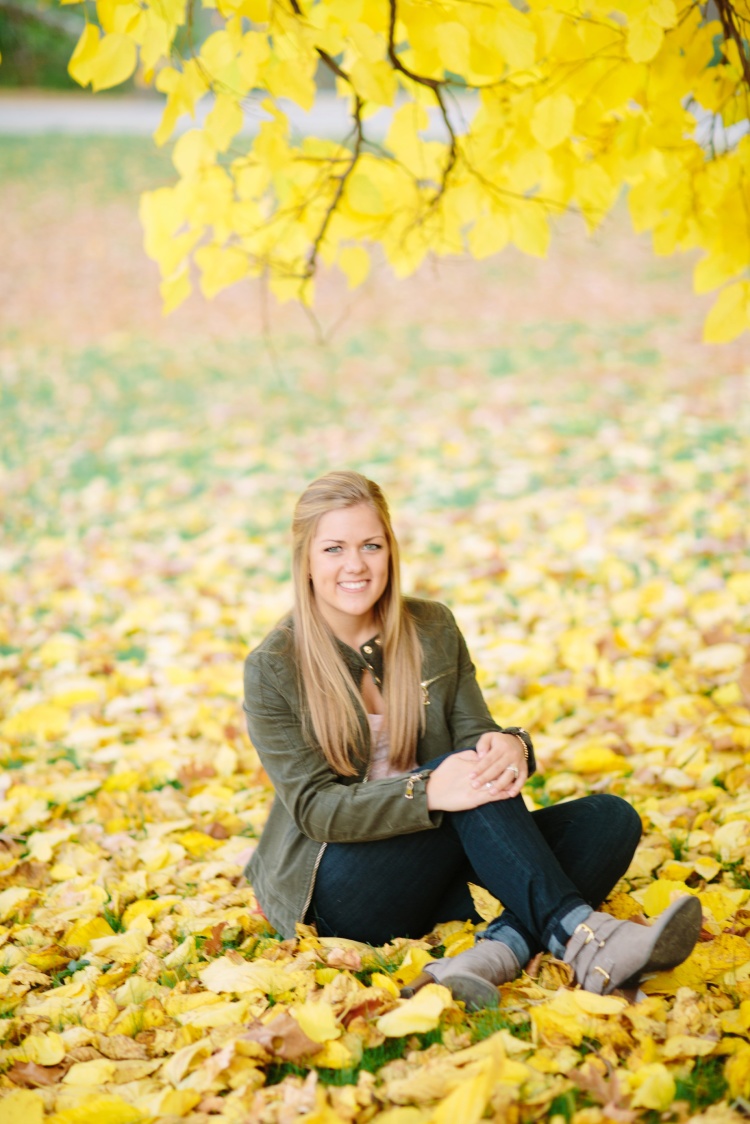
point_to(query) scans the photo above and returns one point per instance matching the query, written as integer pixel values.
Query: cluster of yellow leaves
(599, 568)
(567, 106)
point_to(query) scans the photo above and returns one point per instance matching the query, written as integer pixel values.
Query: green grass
(704, 1086)
(372, 1061)
(107, 167)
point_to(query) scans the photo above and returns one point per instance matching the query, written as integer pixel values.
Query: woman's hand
(478, 776)
(502, 768)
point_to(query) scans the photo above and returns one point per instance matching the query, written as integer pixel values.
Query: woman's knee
(618, 818)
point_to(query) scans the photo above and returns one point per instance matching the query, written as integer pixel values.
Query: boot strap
(590, 934)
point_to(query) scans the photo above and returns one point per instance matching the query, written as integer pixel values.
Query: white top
(380, 766)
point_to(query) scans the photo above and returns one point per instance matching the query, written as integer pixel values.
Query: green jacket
(313, 805)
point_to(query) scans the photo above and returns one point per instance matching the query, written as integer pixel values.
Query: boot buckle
(590, 934)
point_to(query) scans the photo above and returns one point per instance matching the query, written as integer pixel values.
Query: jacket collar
(369, 656)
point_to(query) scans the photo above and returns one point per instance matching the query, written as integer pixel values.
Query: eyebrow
(342, 542)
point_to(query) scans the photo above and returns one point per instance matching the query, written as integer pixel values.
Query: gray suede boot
(474, 975)
(606, 953)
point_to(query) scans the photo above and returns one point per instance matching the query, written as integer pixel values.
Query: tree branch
(356, 152)
(728, 16)
(434, 84)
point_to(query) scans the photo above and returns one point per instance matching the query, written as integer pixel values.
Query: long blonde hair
(330, 695)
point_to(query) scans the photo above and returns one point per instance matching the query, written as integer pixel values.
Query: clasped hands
(495, 770)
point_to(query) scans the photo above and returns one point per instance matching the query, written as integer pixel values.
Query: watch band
(523, 736)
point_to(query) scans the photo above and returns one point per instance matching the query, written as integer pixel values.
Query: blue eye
(332, 550)
(372, 546)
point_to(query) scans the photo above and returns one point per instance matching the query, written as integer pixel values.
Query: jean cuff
(565, 928)
(496, 931)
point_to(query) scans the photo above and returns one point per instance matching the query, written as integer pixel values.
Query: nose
(354, 562)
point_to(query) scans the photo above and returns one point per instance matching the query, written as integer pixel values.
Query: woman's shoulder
(427, 614)
(276, 648)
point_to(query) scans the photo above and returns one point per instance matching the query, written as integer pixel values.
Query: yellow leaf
(408, 1115)
(11, 899)
(723, 904)
(21, 1107)
(687, 1046)
(592, 1004)
(197, 843)
(644, 39)
(175, 291)
(411, 966)
(381, 980)
(123, 948)
(454, 46)
(44, 1049)
(552, 120)
(598, 759)
(125, 781)
(224, 122)
(354, 262)
(729, 316)
(178, 1102)
(659, 894)
(467, 1102)
(225, 975)
(737, 1073)
(416, 1015)
(193, 152)
(79, 67)
(97, 1072)
(82, 933)
(43, 720)
(334, 1055)
(220, 267)
(655, 1087)
(718, 658)
(530, 229)
(663, 12)
(113, 61)
(100, 1011)
(185, 1059)
(98, 1110)
(374, 81)
(317, 1020)
(489, 235)
(147, 907)
(487, 906)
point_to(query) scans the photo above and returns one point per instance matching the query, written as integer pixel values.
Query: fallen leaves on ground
(591, 533)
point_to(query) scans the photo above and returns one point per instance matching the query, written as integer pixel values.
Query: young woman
(395, 787)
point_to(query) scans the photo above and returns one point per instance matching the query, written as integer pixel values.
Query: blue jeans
(549, 868)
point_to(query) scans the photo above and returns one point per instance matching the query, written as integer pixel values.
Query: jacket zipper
(428, 683)
(308, 899)
(318, 860)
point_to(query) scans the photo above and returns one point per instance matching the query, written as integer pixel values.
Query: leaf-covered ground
(568, 468)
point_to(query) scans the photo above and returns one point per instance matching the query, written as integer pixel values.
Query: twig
(727, 15)
(356, 153)
(434, 84)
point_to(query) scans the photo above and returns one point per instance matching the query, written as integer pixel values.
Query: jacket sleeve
(324, 806)
(470, 716)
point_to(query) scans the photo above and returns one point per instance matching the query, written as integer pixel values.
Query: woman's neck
(353, 631)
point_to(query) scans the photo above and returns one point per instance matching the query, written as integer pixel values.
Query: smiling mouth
(353, 587)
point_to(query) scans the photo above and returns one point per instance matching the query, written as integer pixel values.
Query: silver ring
(488, 784)
(513, 769)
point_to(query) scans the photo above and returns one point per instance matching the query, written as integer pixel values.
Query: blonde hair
(330, 695)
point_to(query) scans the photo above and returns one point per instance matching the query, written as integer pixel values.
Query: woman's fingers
(452, 786)
(501, 767)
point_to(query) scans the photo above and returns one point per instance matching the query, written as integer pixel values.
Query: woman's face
(349, 565)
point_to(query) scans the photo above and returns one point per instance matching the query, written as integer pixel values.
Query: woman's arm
(324, 807)
(472, 724)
